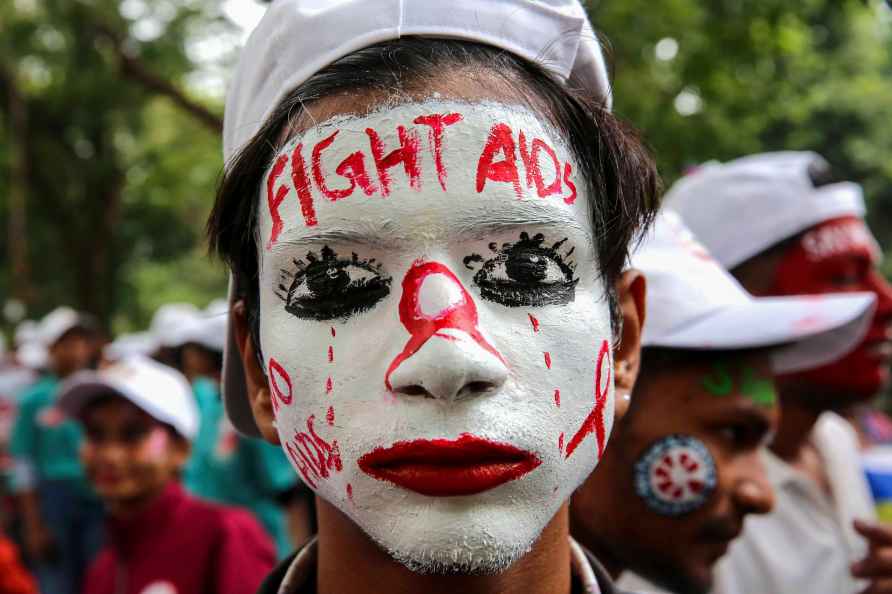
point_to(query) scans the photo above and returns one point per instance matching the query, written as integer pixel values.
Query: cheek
(675, 476)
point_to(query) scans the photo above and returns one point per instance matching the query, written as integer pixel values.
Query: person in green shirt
(61, 517)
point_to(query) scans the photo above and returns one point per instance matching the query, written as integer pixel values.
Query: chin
(460, 560)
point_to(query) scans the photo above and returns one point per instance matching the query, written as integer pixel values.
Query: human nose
(450, 366)
(753, 493)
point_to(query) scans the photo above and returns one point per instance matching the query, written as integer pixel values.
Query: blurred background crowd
(110, 122)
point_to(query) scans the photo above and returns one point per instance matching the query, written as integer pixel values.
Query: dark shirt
(182, 545)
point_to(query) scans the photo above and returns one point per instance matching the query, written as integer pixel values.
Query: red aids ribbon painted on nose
(594, 423)
(451, 307)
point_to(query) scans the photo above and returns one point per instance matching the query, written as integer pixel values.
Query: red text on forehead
(506, 156)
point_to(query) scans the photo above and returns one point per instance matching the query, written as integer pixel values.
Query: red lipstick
(448, 468)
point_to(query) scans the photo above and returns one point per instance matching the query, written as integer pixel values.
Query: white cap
(298, 38)
(33, 355)
(58, 322)
(693, 303)
(741, 208)
(126, 345)
(171, 321)
(203, 327)
(26, 331)
(160, 391)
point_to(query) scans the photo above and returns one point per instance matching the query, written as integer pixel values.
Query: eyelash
(329, 287)
(526, 273)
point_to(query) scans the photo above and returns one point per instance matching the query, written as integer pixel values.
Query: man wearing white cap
(426, 208)
(782, 228)
(58, 510)
(683, 469)
(139, 417)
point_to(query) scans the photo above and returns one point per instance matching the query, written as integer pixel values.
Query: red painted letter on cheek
(277, 377)
(499, 141)
(407, 154)
(437, 123)
(274, 200)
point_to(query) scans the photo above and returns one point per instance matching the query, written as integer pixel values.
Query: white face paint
(434, 327)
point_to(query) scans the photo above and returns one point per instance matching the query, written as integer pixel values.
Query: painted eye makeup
(327, 287)
(526, 273)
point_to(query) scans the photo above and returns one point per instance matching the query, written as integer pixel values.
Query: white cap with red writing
(298, 38)
(693, 303)
(741, 208)
(160, 391)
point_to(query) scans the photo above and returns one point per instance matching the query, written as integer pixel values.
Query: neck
(797, 420)
(343, 545)
(126, 508)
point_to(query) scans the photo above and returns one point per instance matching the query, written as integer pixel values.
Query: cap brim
(235, 394)
(809, 331)
(83, 388)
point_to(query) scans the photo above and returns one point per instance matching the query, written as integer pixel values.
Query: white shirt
(807, 543)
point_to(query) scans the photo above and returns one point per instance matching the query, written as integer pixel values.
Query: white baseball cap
(57, 323)
(295, 39)
(741, 208)
(171, 321)
(33, 355)
(126, 345)
(160, 391)
(26, 331)
(693, 303)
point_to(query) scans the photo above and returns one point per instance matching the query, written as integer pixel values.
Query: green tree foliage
(719, 79)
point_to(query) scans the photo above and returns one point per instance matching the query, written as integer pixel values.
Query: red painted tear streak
(275, 370)
(437, 123)
(499, 141)
(330, 354)
(447, 468)
(548, 360)
(329, 416)
(594, 423)
(407, 154)
(314, 457)
(349, 491)
(274, 200)
(459, 316)
(333, 333)
(329, 385)
(302, 185)
(557, 398)
(535, 322)
(561, 442)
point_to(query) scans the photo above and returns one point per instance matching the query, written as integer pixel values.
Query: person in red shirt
(14, 578)
(138, 418)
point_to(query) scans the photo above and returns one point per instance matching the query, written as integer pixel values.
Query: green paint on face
(720, 382)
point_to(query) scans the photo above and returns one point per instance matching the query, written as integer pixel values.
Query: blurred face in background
(682, 469)
(128, 456)
(75, 350)
(198, 361)
(837, 256)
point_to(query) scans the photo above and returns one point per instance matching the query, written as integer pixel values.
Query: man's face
(841, 256)
(435, 332)
(127, 455)
(682, 470)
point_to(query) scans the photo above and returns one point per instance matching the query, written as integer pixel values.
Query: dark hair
(620, 172)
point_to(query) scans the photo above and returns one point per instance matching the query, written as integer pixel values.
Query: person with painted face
(426, 209)
(139, 417)
(811, 240)
(61, 517)
(683, 470)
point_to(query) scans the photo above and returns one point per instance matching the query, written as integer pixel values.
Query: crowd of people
(468, 347)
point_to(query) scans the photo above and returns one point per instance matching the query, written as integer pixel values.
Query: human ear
(631, 291)
(256, 382)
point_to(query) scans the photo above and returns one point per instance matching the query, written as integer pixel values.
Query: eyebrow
(389, 234)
